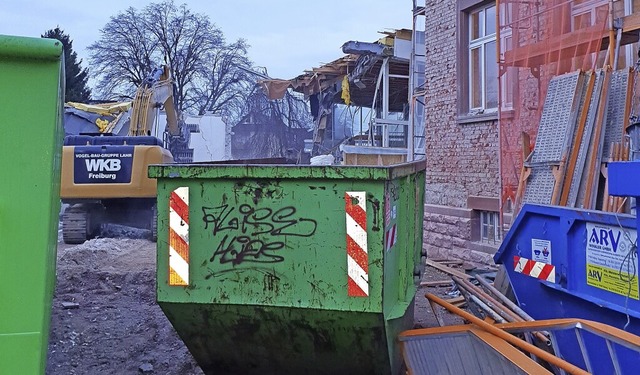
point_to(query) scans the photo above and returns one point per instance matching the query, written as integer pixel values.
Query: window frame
(487, 226)
(480, 43)
(467, 114)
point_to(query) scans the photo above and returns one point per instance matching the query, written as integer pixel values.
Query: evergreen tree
(75, 76)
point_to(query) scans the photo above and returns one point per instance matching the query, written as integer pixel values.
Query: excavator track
(75, 225)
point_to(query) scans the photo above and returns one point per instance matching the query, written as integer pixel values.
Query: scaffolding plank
(539, 189)
(559, 116)
(617, 102)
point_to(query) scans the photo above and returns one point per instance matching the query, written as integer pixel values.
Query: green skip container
(286, 269)
(31, 99)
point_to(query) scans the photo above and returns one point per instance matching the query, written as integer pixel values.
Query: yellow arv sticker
(612, 262)
(612, 281)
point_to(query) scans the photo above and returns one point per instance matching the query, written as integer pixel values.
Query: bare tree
(134, 42)
(124, 55)
(224, 80)
(187, 41)
(280, 125)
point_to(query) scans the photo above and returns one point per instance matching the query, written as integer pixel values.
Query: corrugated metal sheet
(455, 354)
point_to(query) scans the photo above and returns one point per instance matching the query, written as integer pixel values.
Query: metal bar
(375, 97)
(488, 300)
(504, 299)
(614, 357)
(381, 121)
(556, 348)
(570, 368)
(583, 349)
(605, 331)
(486, 308)
(385, 103)
(617, 50)
(500, 308)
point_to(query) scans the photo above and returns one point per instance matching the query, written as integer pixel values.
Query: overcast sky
(286, 36)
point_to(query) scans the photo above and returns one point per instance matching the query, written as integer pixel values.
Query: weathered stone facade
(462, 152)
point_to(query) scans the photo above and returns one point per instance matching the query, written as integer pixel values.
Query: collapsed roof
(361, 64)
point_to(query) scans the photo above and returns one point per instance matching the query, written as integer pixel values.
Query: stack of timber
(486, 301)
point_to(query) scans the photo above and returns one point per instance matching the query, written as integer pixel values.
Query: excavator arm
(155, 91)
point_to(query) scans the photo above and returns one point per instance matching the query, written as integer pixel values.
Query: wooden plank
(436, 283)
(575, 150)
(455, 300)
(447, 270)
(558, 174)
(631, 22)
(451, 262)
(525, 172)
(593, 169)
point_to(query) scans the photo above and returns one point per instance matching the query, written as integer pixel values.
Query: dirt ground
(105, 319)
(116, 326)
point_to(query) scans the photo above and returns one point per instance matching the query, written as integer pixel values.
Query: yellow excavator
(104, 177)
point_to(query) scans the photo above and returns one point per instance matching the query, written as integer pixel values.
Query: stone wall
(462, 156)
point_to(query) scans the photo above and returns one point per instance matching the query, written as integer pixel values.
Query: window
(585, 14)
(483, 67)
(490, 227)
(508, 80)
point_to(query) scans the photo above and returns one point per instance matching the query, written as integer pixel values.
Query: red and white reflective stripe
(179, 237)
(357, 256)
(539, 270)
(390, 237)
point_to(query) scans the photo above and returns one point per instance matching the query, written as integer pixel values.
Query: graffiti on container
(375, 204)
(393, 191)
(250, 234)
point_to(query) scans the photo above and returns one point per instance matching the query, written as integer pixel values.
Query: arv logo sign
(103, 165)
(606, 238)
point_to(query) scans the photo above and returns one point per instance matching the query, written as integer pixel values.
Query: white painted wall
(212, 143)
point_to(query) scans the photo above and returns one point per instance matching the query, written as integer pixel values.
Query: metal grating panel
(558, 119)
(454, 354)
(616, 102)
(574, 189)
(540, 185)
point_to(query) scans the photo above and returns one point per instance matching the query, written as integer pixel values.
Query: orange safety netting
(539, 40)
